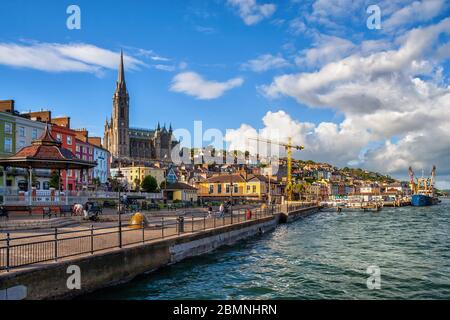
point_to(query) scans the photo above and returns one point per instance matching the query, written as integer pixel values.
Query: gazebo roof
(46, 153)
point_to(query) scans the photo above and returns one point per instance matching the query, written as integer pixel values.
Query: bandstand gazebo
(45, 153)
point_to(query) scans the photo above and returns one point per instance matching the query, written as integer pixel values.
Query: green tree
(115, 184)
(54, 180)
(96, 182)
(137, 183)
(149, 184)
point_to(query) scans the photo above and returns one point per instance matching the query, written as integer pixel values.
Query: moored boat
(423, 191)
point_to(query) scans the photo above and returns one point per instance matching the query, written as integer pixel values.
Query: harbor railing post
(92, 239)
(56, 244)
(120, 233)
(7, 251)
(192, 223)
(204, 222)
(143, 231)
(162, 227)
(214, 220)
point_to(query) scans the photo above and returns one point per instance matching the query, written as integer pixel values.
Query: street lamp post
(119, 175)
(231, 203)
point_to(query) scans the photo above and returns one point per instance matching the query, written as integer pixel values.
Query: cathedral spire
(121, 87)
(121, 77)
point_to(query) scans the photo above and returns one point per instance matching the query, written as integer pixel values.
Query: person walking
(209, 211)
(221, 211)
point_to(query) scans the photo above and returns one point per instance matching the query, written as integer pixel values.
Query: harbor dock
(112, 256)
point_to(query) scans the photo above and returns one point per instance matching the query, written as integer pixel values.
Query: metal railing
(16, 252)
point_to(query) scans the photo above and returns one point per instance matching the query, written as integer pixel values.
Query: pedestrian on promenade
(209, 211)
(221, 211)
(249, 214)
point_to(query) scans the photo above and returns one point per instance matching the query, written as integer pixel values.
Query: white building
(102, 170)
(26, 131)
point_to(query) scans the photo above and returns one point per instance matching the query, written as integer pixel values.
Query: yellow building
(180, 191)
(250, 187)
(136, 174)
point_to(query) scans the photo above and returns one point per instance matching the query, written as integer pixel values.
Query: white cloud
(326, 49)
(417, 11)
(323, 142)
(164, 67)
(55, 57)
(252, 12)
(392, 97)
(193, 84)
(266, 62)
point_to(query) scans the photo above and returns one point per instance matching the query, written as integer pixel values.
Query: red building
(61, 131)
(84, 151)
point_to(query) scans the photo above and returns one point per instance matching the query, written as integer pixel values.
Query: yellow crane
(288, 147)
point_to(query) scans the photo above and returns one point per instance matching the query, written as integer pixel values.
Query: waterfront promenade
(24, 248)
(118, 253)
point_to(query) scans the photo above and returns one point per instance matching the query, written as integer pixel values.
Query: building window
(58, 137)
(8, 145)
(211, 188)
(21, 144)
(69, 140)
(34, 134)
(8, 127)
(219, 188)
(21, 131)
(227, 188)
(78, 148)
(254, 189)
(46, 185)
(248, 189)
(236, 189)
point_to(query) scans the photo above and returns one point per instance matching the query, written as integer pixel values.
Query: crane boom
(288, 146)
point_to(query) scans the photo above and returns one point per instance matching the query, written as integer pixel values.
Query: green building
(7, 140)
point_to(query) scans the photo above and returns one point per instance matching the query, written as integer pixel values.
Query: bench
(3, 212)
(9, 209)
(153, 206)
(66, 209)
(49, 212)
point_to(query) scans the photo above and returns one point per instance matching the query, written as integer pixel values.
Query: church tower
(119, 137)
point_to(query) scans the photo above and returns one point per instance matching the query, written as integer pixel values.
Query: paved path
(32, 247)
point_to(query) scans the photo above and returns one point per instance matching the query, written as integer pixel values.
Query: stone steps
(15, 225)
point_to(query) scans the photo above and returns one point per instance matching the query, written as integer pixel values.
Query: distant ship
(423, 190)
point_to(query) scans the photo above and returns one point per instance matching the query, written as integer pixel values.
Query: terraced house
(238, 186)
(17, 131)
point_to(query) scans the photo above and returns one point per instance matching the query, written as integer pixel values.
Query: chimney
(7, 106)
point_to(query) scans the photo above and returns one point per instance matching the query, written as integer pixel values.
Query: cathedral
(134, 144)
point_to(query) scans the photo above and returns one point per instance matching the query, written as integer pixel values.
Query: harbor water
(324, 256)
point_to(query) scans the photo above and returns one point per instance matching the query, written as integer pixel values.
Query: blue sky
(311, 69)
(207, 36)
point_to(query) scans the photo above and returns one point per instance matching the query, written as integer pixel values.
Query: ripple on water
(324, 256)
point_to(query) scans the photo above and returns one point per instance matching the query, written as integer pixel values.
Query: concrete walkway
(32, 247)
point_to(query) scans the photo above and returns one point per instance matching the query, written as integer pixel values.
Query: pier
(112, 255)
